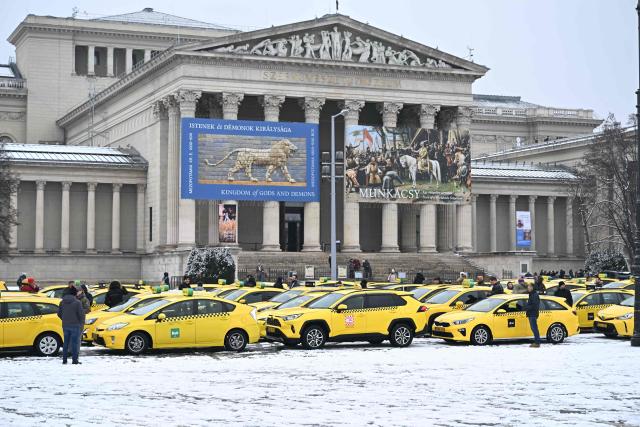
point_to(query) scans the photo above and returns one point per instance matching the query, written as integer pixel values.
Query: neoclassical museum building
(90, 118)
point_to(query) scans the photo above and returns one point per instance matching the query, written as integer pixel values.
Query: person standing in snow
(533, 311)
(72, 316)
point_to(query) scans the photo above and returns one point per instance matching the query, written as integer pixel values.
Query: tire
(481, 335)
(376, 341)
(313, 337)
(47, 344)
(136, 343)
(236, 340)
(556, 333)
(401, 335)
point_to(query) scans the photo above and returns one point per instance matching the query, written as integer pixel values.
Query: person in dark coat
(532, 309)
(186, 283)
(539, 286)
(115, 294)
(496, 287)
(366, 267)
(294, 281)
(563, 292)
(419, 279)
(363, 283)
(165, 279)
(278, 283)
(87, 293)
(72, 315)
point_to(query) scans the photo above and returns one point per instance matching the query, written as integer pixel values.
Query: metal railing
(12, 83)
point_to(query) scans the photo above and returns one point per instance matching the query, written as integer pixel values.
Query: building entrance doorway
(292, 235)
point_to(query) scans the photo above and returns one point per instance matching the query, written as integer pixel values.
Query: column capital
(474, 198)
(513, 198)
(187, 100)
(116, 187)
(271, 105)
(427, 115)
(171, 105)
(463, 117)
(91, 186)
(493, 197)
(353, 106)
(66, 185)
(230, 102)
(312, 106)
(40, 185)
(570, 200)
(532, 199)
(160, 110)
(141, 187)
(389, 111)
(551, 199)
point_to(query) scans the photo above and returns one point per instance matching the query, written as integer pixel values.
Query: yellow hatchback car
(31, 323)
(503, 317)
(616, 320)
(591, 303)
(199, 320)
(350, 315)
(452, 298)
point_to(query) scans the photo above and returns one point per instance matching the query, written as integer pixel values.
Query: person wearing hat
(29, 285)
(72, 315)
(496, 287)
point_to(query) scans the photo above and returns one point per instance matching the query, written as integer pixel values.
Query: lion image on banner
(273, 158)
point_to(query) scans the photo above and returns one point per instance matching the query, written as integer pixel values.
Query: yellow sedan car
(195, 320)
(452, 298)
(616, 320)
(589, 304)
(30, 323)
(503, 317)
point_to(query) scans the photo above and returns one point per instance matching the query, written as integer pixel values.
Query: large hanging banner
(227, 223)
(523, 229)
(247, 160)
(407, 165)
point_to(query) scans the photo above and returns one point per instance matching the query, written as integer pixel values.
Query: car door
(350, 321)
(380, 311)
(513, 322)
(20, 324)
(179, 327)
(212, 322)
(470, 297)
(587, 308)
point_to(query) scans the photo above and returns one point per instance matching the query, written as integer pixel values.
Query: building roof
(75, 155)
(494, 101)
(520, 171)
(150, 16)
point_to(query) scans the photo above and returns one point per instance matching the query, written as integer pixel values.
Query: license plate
(438, 328)
(271, 330)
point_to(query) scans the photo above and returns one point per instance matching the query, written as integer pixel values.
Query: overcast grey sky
(561, 53)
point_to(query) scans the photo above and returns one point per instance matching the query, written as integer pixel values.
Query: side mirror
(582, 303)
(341, 307)
(161, 317)
(459, 305)
(243, 301)
(501, 311)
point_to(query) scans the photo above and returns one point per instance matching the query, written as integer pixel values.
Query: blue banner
(247, 160)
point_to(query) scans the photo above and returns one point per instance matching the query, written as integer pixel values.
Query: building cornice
(536, 120)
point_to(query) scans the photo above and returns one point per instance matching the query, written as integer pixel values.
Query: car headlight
(626, 316)
(91, 321)
(253, 314)
(462, 321)
(291, 317)
(117, 326)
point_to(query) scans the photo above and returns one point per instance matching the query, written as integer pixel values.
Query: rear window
(45, 308)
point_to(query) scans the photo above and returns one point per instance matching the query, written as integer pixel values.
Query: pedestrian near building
(510, 286)
(419, 279)
(279, 283)
(539, 286)
(496, 287)
(563, 292)
(186, 283)
(72, 316)
(520, 287)
(294, 281)
(165, 279)
(366, 267)
(115, 295)
(29, 285)
(260, 274)
(533, 311)
(392, 275)
(87, 293)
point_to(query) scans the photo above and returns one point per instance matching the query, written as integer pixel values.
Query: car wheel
(481, 335)
(47, 344)
(236, 340)
(137, 343)
(401, 335)
(376, 341)
(556, 333)
(314, 337)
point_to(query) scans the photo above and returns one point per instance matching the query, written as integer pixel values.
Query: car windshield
(234, 294)
(286, 296)
(325, 301)
(124, 305)
(420, 292)
(297, 301)
(575, 296)
(144, 310)
(485, 305)
(442, 297)
(628, 302)
(614, 285)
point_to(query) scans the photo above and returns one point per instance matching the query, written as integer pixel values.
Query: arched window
(5, 139)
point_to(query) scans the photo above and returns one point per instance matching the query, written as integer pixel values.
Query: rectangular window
(81, 60)
(150, 224)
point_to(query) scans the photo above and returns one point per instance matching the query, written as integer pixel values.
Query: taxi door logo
(175, 333)
(349, 321)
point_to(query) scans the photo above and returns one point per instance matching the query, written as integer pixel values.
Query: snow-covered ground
(587, 381)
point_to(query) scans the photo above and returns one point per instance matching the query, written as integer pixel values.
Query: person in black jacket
(563, 292)
(419, 279)
(115, 294)
(533, 311)
(278, 284)
(496, 287)
(539, 286)
(186, 283)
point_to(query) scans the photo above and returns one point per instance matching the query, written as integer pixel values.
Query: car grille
(272, 321)
(443, 324)
(99, 340)
(441, 334)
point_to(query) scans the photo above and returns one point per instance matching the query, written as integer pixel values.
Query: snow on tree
(603, 260)
(211, 262)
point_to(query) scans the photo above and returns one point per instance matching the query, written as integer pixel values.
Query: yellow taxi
(551, 290)
(452, 298)
(405, 287)
(350, 315)
(282, 297)
(627, 285)
(503, 317)
(251, 295)
(590, 303)
(301, 300)
(616, 320)
(423, 292)
(30, 323)
(100, 295)
(54, 291)
(193, 320)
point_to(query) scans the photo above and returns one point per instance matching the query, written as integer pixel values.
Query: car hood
(126, 318)
(614, 311)
(292, 310)
(101, 314)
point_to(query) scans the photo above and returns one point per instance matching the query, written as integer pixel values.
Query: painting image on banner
(227, 224)
(523, 229)
(247, 160)
(407, 164)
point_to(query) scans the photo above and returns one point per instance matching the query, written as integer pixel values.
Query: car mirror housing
(161, 317)
(458, 305)
(582, 303)
(501, 311)
(341, 307)
(243, 301)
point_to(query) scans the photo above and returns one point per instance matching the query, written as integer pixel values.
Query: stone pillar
(13, 230)
(140, 218)
(569, 213)
(110, 72)
(213, 238)
(187, 207)
(408, 229)
(91, 60)
(463, 118)
(64, 225)
(39, 243)
(512, 222)
(390, 112)
(464, 227)
(173, 164)
(271, 226)
(389, 228)
(493, 226)
(312, 107)
(532, 213)
(428, 228)
(115, 218)
(128, 60)
(271, 105)
(551, 234)
(474, 224)
(147, 55)
(351, 213)
(230, 103)
(91, 217)
(428, 115)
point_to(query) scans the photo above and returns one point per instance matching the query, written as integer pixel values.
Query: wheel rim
(402, 335)
(315, 338)
(136, 343)
(48, 345)
(481, 336)
(557, 334)
(236, 341)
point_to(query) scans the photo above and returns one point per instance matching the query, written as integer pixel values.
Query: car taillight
(422, 309)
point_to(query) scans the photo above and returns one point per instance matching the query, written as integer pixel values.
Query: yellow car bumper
(622, 328)
(278, 330)
(460, 333)
(87, 333)
(110, 339)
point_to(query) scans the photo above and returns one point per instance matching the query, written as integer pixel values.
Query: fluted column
(213, 237)
(187, 207)
(13, 230)
(512, 222)
(408, 229)
(428, 115)
(428, 228)
(551, 234)
(569, 213)
(271, 228)
(110, 61)
(463, 118)
(173, 165)
(140, 217)
(39, 232)
(271, 105)
(91, 217)
(389, 228)
(390, 112)
(532, 214)
(64, 225)
(115, 218)
(493, 219)
(230, 103)
(312, 107)
(91, 60)
(351, 214)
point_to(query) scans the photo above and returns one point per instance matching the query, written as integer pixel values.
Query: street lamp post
(334, 261)
(635, 268)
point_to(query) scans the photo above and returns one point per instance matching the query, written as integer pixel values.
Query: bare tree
(8, 184)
